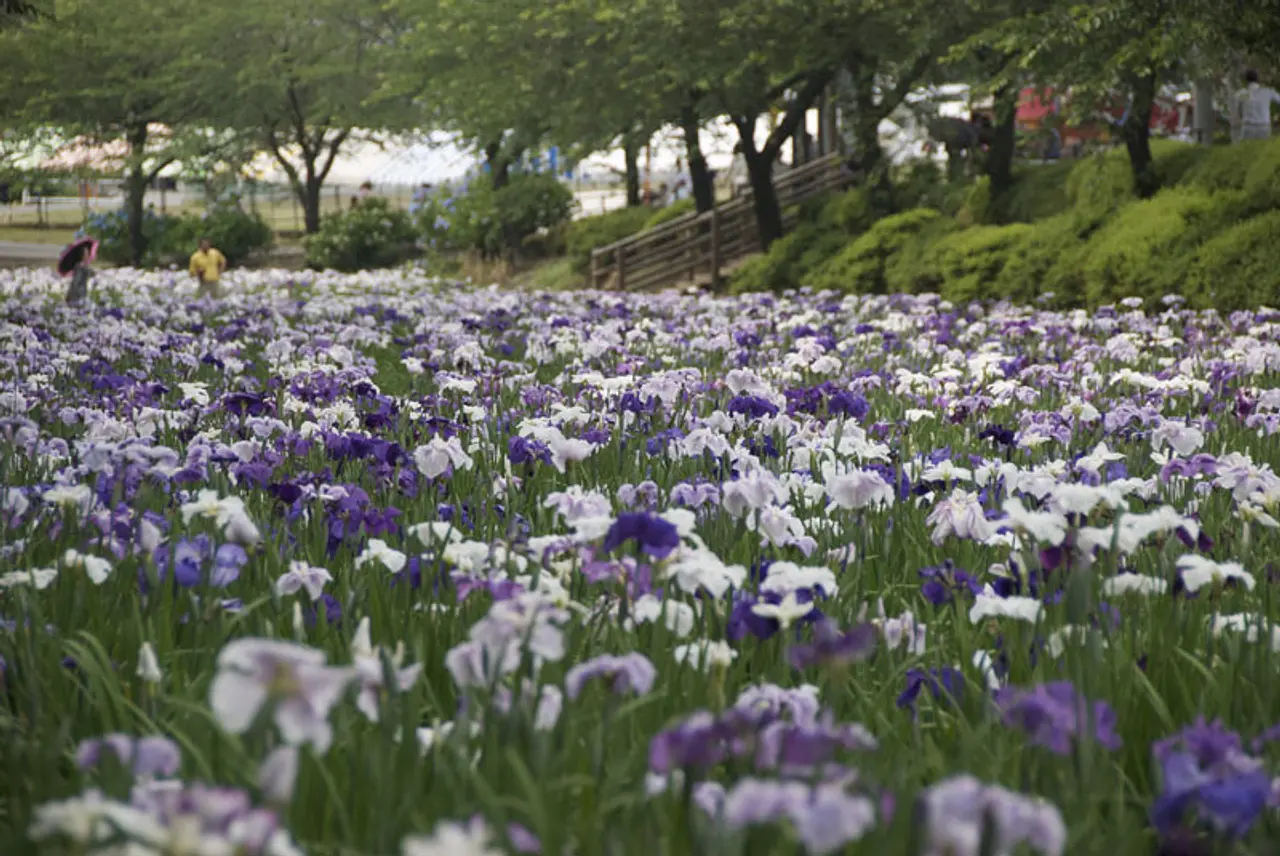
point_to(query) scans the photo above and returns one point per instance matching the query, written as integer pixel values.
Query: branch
(796, 112)
(746, 126)
(334, 145)
(905, 84)
(290, 170)
(300, 128)
(781, 89)
(155, 173)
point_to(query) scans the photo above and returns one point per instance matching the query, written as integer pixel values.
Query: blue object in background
(553, 157)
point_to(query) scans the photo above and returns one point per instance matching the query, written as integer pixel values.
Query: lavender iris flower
(145, 757)
(833, 647)
(630, 673)
(1055, 714)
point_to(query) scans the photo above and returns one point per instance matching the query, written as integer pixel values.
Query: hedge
(1238, 268)
(826, 227)
(963, 264)
(600, 230)
(860, 267)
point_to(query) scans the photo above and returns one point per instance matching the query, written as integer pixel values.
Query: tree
(305, 76)
(1100, 46)
(88, 72)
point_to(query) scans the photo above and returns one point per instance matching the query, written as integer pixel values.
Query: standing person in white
(1253, 108)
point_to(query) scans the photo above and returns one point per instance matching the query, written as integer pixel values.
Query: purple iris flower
(752, 406)
(653, 535)
(1054, 715)
(941, 682)
(628, 674)
(831, 646)
(522, 450)
(943, 582)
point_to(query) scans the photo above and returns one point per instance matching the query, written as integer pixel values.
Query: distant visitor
(74, 262)
(1253, 108)
(207, 265)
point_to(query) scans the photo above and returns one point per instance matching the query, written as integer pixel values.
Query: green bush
(532, 202)
(925, 184)
(962, 265)
(600, 230)
(1046, 260)
(1223, 167)
(913, 268)
(1133, 254)
(670, 212)
(852, 212)
(1099, 186)
(1038, 193)
(237, 234)
(171, 240)
(111, 229)
(790, 260)
(1262, 178)
(860, 267)
(1237, 269)
(371, 235)
(481, 218)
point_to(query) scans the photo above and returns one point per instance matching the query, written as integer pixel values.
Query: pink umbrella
(78, 251)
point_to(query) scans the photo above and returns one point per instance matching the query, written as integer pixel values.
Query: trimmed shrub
(600, 230)
(1262, 178)
(371, 235)
(924, 184)
(969, 261)
(1099, 186)
(860, 267)
(1044, 261)
(852, 212)
(532, 202)
(913, 268)
(1223, 167)
(790, 261)
(675, 209)
(1237, 269)
(1129, 257)
(1038, 193)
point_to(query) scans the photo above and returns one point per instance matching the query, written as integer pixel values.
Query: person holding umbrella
(207, 265)
(74, 262)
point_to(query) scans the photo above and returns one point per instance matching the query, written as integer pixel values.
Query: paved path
(11, 251)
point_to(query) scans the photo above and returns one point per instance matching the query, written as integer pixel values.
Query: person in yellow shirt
(207, 265)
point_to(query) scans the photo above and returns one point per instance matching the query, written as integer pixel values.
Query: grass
(550, 275)
(28, 235)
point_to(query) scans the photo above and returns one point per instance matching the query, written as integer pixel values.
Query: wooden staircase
(699, 248)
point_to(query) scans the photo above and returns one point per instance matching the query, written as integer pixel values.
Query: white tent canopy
(386, 163)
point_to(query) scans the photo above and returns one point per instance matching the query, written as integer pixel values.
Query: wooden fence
(697, 247)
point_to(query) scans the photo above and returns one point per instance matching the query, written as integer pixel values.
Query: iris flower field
(373, 565)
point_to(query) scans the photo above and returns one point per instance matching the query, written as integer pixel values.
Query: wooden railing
(696, 245)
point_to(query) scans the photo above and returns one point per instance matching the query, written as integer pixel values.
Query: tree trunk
(309, 198)
(135, 202)
(764, 198)
(1137, 137)
(999, 165)
(631, 154)
(704, 191)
